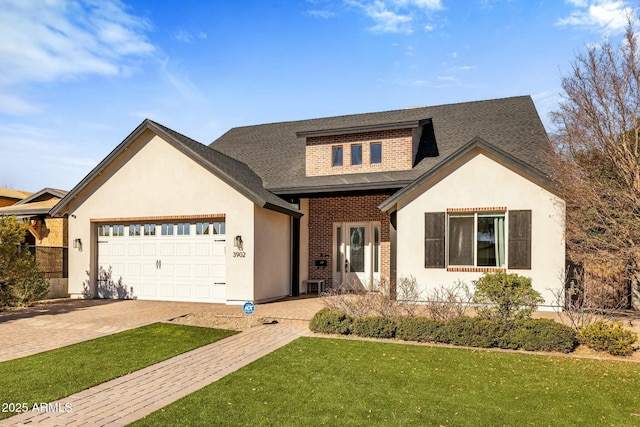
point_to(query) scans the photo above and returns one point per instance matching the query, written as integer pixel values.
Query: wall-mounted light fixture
(237, 242)
(77, 244)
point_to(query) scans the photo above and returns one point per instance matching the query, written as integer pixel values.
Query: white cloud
(600, 15)
(396, 16)
(187, 37)
(48, 40)
(324, 14)
(424, 4)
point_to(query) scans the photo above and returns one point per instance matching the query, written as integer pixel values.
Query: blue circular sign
(248, 308)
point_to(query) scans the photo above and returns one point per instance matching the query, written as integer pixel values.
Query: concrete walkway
(133, 396)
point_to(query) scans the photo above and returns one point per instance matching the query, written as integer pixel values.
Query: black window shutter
(520, 240)
(434, 231)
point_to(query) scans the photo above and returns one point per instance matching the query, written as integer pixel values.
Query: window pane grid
(477, 240)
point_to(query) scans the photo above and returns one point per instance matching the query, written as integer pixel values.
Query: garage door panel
(183, 291)
(149, 290)
(183, 249)
(167, 270)
(149, 249)
(166, 267)
(201, 270)
(202, 291)
(202, 249)
(183, 270)
(218, 249)
(149, 269)
(219, 272)
(133, 249)
(134, 269)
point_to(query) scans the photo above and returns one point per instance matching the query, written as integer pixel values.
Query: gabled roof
(276, 151)
(10, 193)
(475, 143)
(39, 203)
(233, 172)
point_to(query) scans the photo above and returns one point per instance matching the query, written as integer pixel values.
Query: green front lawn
(54, 374)
(316, 381)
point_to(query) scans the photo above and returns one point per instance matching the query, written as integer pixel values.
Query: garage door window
(134, 230)
(117, 230)
(103, 230)
(183, 229)
(202, 228)
(167, 229)
(219, 227)
(149, 229)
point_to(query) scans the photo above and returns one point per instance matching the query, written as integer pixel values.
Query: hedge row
(526, 334)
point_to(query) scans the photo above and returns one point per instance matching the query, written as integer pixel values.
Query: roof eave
(389, 204)
(338, 188)
(360, 129)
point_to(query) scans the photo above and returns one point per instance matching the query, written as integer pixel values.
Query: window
(134, 230)
(356, 154)
(183, 229)
(376, 249)
(166, 229)
(219, 227)
(202, 228)
(376, 153)
(149, 229)
(478, 239)
(336, 156)
(103, 230)
(117, 230)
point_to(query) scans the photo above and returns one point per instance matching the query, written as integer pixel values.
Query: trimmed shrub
(374, 327)
(539, 335)
(505, 296)
(608, 336)
(473, 332)
(422, 329)
(331, 322)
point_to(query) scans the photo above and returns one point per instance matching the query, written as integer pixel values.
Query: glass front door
(355, 254)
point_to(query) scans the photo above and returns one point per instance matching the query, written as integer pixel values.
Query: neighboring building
(46, 236)
(440, 194)
(10, 197)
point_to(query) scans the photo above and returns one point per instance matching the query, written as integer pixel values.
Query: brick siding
(397, 152)
(325, 211)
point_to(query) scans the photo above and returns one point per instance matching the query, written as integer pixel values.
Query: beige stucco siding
(478, 181)
(152, 178)
(272, 254)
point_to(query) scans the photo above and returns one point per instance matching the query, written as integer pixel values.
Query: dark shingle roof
(275, 153)
(235, 173)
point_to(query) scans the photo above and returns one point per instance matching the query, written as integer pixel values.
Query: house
(46, 236)
(441, 194)
(10, 197)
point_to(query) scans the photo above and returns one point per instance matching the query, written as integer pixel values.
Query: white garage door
(168, 261)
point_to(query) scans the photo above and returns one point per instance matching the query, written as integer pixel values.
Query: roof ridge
(371, 113)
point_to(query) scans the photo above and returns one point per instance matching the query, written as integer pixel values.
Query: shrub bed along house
(526, 334)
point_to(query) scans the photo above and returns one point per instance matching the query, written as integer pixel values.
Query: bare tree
(598, 163)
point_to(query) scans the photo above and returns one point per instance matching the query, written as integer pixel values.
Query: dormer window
(356, 155)
(376, 153)
(336, 156)
(359, 149)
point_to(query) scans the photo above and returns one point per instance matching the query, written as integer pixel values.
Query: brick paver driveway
(49, 326)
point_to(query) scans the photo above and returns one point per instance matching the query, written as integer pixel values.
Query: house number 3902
(239, 254)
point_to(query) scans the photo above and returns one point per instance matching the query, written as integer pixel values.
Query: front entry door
(356, 266)
(356, 255)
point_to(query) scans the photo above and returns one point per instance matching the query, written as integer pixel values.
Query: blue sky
(77, 76)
